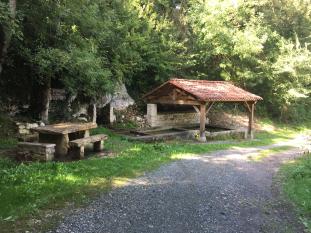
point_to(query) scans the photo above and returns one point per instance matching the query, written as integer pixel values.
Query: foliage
(7, 24)
(237, 42)
(297, 183)
(7, 132)
(90, 46)
(7, 143)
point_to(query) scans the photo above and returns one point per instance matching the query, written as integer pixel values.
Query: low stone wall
(192, 135)
(222, 135)
(24, 131)
(189, 134)
(24, 128)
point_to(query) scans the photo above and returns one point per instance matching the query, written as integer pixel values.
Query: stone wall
(216, 117)
(129, 116)
(156, 119)
(229, 120)
(24, 130)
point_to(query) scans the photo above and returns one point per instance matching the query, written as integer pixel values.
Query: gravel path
(217, 192)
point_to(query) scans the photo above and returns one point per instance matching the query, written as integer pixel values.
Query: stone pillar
(61, 141)
(152, 113)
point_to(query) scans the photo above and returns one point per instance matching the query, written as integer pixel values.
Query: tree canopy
(88, 46)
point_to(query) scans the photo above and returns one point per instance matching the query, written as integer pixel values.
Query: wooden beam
(183, 93)
(178, 102)
(251, 120)
(196, 109)
(202, 122)
(174, 94)
(209, 106)
(247, 106)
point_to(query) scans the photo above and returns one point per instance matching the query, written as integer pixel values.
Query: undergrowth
(297, 186)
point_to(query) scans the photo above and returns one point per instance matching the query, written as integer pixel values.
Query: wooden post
(209, 107)
(202, 122)
(250, 133)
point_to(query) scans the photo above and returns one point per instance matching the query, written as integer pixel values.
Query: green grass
(7, 132)
(297, 186)
(27, 188)
(268, 152)
(7, 143)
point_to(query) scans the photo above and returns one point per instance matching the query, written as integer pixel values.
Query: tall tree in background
(90, 46)
(237, 41)
(6, 27)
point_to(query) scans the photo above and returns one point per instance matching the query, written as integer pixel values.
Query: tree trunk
(46, 97)
(7, 34)
(94, 115)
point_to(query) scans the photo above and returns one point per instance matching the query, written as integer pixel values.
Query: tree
(6, 28)
(88, 47)
(239, 42)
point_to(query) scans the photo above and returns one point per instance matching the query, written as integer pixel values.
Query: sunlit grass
(257, 157)
(120, 182)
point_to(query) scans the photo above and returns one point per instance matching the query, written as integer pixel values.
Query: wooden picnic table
(61, 134)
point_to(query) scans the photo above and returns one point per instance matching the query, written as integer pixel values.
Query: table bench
(77, 146)
(60, 134)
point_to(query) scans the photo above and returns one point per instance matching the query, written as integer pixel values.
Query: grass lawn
(297, 186)
(27, 188)
(7, 143)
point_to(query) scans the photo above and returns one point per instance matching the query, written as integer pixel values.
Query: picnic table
(61, 134)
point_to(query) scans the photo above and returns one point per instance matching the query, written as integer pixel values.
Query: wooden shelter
(202, 94)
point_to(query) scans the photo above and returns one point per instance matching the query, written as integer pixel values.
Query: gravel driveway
(217, 192)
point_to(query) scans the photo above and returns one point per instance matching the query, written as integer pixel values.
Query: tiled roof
(205, 90)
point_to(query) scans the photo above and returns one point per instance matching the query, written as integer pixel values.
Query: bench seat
(36, 151)
(77, 146)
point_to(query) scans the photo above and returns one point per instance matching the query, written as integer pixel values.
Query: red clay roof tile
(205, 90)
